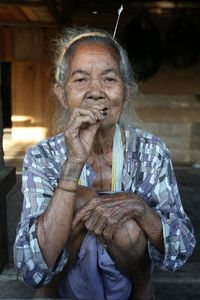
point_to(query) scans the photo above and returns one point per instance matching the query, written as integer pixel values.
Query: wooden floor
(14, 150)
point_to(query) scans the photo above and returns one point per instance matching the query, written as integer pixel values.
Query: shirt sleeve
(38, 184)
(178, 233)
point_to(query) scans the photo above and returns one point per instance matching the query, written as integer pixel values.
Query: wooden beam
(21, 3)
(28, 24)
(112, 6)
(53, 10)
(108, 4)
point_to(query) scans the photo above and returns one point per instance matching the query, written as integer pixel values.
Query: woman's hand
(82, 127)
(104, 214)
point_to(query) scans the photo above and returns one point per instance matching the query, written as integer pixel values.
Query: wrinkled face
(94, 76)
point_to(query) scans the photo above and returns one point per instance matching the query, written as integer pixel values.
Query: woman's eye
(80, 79)
(110, 79)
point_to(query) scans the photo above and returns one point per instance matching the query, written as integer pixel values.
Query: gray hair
(63, 54)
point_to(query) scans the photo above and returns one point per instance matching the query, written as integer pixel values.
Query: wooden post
(7, 180)
(1, 128)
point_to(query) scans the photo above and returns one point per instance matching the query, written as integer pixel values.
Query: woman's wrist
(71, 171)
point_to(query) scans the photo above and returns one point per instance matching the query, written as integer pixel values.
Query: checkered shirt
(147, 171)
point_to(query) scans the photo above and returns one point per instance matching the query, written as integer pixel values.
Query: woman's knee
(130, 235)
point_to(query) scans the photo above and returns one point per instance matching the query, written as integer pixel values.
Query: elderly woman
(100, 199)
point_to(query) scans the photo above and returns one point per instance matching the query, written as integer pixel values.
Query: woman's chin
(108, 122)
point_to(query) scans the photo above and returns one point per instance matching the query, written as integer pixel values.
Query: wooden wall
(7, 44)
(168, 104)
(174, 118)
(27, 50)
(30, 90)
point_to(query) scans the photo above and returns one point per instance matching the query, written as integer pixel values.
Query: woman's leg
(130, 252)
(77, 236)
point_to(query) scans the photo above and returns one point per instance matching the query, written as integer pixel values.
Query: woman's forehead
(94, 50)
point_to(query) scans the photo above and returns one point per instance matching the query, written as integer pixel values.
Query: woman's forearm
(54, 225)
(152, 226)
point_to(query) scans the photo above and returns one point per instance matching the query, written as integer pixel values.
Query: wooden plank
(43, 15)
(167, 129)
(170, 80)
(20, 2)
(185, 156)
(30, 13)
(29, 44)
(196, 129)
(164, 109)
(31, 83)
(165, 100)
(29, 24)
(195, 142)
(7, 44)
(160, 114)
(11, 13)
(53, 11)
(177, 142)
(195, 155)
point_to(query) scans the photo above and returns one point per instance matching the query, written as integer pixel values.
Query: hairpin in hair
(116, 25)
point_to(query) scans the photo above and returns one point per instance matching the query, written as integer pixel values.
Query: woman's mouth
(105, 111)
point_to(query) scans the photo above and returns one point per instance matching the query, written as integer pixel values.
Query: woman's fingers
(108, 232)
(97, 114)
(100, 225)
(101, 222)
(91, 221)
(81, 130)
(104, 215)
(84, 212)
(73, 128)
(79, 217)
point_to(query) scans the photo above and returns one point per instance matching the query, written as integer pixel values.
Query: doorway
(6, 93)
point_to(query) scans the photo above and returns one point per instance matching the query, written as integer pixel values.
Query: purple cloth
(95, 276)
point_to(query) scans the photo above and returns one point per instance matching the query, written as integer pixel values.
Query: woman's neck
(103, 142)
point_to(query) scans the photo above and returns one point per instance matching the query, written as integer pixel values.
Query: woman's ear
(60, 94)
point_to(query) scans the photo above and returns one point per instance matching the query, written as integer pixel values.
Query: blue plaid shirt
(147, 171)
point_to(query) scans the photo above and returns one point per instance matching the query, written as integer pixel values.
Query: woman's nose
(95, 90)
